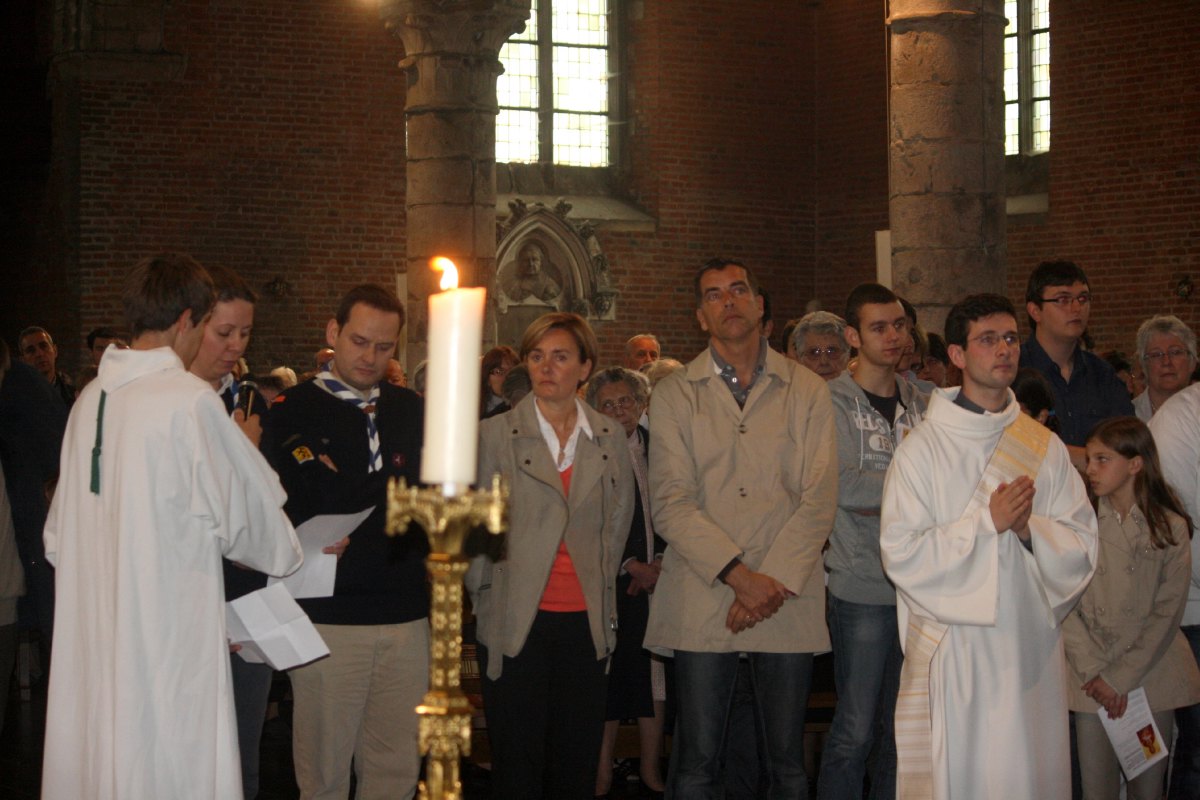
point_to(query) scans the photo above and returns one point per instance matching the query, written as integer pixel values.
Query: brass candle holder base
(447, 515)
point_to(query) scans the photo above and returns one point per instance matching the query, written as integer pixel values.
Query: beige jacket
(758, 483)
(1126, 626)
(594, 519)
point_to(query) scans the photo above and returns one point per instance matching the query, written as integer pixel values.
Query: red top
(563, 591)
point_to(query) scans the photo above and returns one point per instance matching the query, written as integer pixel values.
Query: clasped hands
(756, 597)
(1114, 703)
(643, 576)
(1011, 505)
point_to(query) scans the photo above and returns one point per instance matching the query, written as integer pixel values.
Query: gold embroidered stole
(1019, 452)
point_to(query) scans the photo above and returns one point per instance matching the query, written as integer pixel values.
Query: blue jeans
(705, 686)
(866, 671)
(743, 766)
(1185, 772)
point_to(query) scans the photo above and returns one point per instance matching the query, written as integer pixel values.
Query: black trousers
(545, 713)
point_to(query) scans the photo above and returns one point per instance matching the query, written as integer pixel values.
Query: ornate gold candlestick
(447, 516)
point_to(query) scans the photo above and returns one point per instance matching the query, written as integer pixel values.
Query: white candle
(452, 381)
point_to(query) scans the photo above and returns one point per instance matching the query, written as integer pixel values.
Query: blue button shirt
(1093, 394)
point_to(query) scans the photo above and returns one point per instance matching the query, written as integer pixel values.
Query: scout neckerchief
(229, 391)
(326, 381)
(1019, 452)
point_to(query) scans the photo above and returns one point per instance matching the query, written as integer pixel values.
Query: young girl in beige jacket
(1125, 631)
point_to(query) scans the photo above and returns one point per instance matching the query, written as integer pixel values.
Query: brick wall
(1124, 179)
(277, 152)
(755, 130)
(852, 147)
(1124, 162)
(721, 151)
(1124, 166)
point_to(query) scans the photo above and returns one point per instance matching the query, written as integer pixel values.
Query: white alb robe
(140, 700)
(998, 694)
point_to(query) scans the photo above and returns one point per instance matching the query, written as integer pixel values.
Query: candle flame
(449, 272)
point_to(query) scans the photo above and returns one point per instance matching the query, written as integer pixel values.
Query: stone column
(452, 50)
(946, 151)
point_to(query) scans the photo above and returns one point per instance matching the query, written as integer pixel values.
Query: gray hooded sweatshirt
(865, 443)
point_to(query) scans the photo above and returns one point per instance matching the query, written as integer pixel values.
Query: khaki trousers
(1098, 767)
(360, 703)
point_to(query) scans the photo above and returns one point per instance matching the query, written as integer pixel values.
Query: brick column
(451, 61)
(946, 151)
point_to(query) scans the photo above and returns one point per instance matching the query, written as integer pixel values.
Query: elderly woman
(933, 366)
(1166, 347)
(820, 343)
(546, 613)
(636, 683)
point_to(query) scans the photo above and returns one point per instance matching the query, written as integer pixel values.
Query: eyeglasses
(498, 371)
(991, 340)
(816, 353)
(1065, 301)
(1171, 353)
(624, 403)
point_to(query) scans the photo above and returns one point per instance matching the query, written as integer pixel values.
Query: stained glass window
(554, 93)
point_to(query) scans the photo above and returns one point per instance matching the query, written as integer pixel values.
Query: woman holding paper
(1124, 634)
(546, 612)
(225, 339)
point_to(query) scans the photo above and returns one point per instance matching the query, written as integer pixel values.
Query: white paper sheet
(1135, 738)
(273, 629)
(317, 574)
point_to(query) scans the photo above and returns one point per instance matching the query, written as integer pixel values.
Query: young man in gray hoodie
(873, 409)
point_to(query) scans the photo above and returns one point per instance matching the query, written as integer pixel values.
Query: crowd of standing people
(993, 537)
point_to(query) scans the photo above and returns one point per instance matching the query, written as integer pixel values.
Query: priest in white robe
(157, 485)
(987, 555)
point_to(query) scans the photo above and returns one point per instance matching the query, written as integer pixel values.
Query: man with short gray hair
(642, 348)
(743, 479)
(1166, 348)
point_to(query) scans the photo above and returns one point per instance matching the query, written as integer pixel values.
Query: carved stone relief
(547, 262)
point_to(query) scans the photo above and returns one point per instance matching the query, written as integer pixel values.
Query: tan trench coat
(594, 519)
(1126, 625)
(758, 483)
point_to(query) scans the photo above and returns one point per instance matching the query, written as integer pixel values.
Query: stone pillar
(946, 151)
(451, 61)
